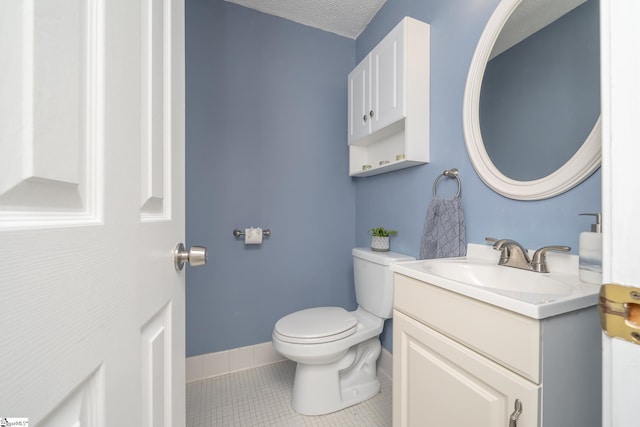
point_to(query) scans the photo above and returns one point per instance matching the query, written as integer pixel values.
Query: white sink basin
(478, 275)
(490, 275)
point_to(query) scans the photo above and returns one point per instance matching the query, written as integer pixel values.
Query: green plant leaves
(382, 232)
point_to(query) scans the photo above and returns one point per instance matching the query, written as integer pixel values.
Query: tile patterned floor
(261, 397)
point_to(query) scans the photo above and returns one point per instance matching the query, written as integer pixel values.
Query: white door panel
(359, 100)
(48, 155)
(91, 207)
(620, 38)
(387, 79)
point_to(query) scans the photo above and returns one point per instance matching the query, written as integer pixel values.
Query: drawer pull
(513, 419)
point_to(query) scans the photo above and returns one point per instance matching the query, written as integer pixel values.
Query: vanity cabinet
(389, 103)
(461, 362)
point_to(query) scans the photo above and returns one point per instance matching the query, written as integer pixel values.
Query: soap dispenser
(590, 252)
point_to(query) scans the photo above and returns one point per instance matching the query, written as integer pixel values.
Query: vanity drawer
(508, 338)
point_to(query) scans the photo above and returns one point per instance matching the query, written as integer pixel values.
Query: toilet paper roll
(253, 236)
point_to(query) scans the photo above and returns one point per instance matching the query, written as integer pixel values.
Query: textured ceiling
(349, 18)
(344, 17)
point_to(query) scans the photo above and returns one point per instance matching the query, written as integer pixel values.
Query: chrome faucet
(513, 254)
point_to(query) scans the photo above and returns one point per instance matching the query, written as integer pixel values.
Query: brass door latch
(619, 308)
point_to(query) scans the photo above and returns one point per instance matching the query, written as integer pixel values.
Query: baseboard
(238, 359)
(224, 362)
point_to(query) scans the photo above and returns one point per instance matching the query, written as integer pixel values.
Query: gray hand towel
(444, 229)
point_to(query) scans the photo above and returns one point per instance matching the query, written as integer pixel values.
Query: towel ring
(451, 173)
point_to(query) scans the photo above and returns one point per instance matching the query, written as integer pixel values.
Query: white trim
(224, 362)
(577, 169)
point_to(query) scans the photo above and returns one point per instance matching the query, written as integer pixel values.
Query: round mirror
(497, 135)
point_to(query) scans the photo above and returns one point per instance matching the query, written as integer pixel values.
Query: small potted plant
(380, 238)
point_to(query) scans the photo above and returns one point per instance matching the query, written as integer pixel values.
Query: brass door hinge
(619, 308)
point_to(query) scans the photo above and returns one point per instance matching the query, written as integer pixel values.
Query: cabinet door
(387, 80)
(438, 382)
(359, 100)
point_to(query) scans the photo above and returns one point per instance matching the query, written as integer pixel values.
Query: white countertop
(563, 267)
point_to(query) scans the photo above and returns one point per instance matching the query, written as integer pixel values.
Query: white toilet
(336, 350)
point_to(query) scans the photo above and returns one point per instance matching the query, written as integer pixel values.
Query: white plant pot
(379, 243)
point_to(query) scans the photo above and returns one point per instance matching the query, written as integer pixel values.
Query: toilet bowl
(336, 350)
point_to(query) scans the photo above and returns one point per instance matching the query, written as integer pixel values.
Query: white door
(359, 100)
(621, 200)
(387, 78)
(91, 207)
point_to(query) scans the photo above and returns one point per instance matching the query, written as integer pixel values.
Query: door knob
(196, 256)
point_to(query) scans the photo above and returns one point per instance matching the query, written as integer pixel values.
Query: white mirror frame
(578, 168)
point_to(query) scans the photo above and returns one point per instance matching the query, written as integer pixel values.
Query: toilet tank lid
(383, 258)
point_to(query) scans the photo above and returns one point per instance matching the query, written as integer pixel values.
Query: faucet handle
(512, 253)
(498, 246)
(501, 244)
(539, 260)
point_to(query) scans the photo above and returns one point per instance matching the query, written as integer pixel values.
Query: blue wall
(266, 146)
(456, 26)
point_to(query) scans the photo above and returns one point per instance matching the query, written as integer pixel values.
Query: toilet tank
(374, 280)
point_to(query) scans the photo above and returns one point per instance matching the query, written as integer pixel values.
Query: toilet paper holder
(239, 233)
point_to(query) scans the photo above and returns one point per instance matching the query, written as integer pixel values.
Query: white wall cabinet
(459, 362)
(377, 87)
(389, 103)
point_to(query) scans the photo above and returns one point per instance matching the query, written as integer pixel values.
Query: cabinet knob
(364, 118)
(371, 113)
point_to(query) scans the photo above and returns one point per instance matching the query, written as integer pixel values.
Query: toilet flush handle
(195, 256)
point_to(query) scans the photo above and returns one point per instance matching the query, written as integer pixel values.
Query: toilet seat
(316, 325)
